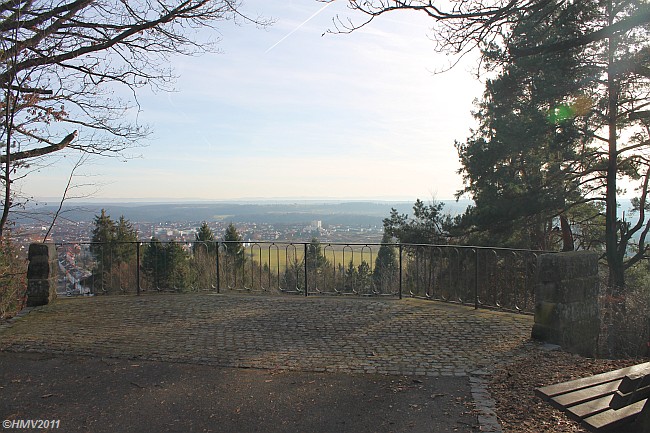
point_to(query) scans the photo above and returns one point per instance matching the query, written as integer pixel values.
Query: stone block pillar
(566, 301)
(41, 274)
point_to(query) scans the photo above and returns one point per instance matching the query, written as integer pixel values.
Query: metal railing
(478, 276)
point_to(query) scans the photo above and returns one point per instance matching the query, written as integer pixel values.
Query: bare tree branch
(34, 153)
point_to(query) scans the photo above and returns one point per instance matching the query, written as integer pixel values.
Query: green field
(334, 254)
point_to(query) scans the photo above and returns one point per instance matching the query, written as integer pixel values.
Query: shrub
(625, 318)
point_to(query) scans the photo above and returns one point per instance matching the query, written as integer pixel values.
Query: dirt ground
(513, 383)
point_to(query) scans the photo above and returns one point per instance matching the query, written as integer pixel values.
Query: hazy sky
(278, 114)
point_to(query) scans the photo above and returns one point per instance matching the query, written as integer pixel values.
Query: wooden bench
(615, 401)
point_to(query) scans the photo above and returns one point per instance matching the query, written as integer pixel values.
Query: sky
(289, 113)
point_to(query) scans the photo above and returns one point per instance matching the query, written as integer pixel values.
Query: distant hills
(285, 212)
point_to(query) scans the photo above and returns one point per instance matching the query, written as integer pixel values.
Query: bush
(625, 319)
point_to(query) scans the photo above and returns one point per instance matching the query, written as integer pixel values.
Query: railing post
(306, 292)
(400, 271)
(476, 279)
(217, 264)
(137, 266)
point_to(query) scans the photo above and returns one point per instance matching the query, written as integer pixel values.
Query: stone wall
(566, 301)
(41, 274)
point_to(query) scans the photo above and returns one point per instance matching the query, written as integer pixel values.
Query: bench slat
(589, 408)
(551, 391)
(635, 380)
(612, 419)
(586, 394)
(620, 399)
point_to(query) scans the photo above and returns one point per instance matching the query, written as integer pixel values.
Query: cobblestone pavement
(315, 334)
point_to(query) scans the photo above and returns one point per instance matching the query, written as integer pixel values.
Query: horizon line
(240, 199)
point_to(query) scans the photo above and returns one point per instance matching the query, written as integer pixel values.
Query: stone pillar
(566, 301)
(41, 274)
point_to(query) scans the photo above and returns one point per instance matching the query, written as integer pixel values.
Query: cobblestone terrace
(407, 336)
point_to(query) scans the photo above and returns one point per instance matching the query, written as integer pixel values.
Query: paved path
(99, 395)
(347, 335)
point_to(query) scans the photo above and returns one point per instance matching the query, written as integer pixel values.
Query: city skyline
(289, 113)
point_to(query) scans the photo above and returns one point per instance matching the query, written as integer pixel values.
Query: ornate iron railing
(478, 276)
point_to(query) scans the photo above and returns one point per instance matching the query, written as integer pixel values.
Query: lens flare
(564, 112)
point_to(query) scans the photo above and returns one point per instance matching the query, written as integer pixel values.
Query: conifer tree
(386, 265)
(427, 226)
(125, 239)
(529, 159)
(103, 248)
(315, 257)
(233, 246)
(113, 244)
(204, 240)
(177, 264)
(153, 264)
(559, 129)
(166, 265)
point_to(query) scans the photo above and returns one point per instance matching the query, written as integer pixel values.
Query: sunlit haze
(287, 112)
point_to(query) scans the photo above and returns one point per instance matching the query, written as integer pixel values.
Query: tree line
(177, 266)
(164, 265)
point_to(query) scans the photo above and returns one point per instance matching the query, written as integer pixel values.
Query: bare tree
(462, 25)
(61, 62)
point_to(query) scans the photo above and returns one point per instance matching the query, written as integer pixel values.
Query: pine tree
(166, 265)
(103, 250)
(153, 264)
(427, 226)
(113, 246)
(386, 265)
(315, 257)
(364, 278)
(125, 239)
(233, 246)
(560, 128)
(204, 240)
(177, 264)
(527, 161)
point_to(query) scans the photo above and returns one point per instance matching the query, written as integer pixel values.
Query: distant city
(336, 222)
(290, 221)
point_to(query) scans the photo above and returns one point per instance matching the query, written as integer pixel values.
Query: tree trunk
(616, 279)
(8, 115)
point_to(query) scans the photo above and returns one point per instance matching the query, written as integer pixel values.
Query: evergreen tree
(520, 165)
(351, 276)
(428, 225)
(153, 264)
(177, 264)
(233, 246)
(113, 246)
(125, 239)
(103, 250)
(364, 278)
(204, 240)
(166, 265)
(103, 235)
(560, 128)
(386, 265)
(315, 257)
